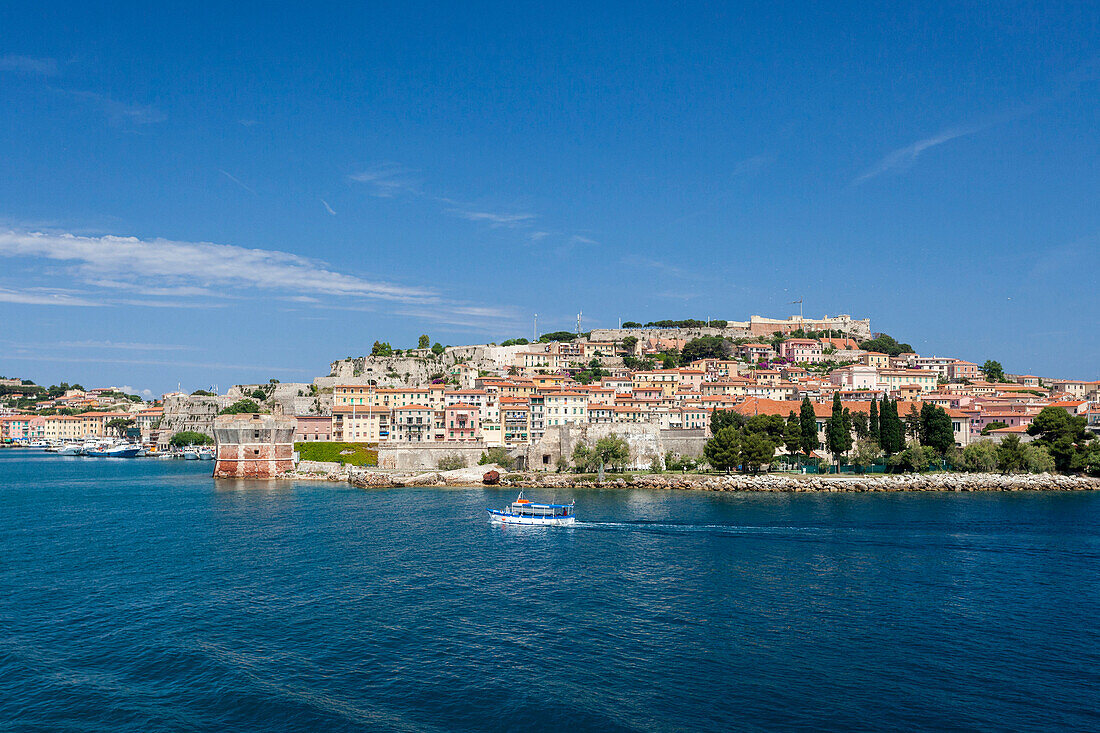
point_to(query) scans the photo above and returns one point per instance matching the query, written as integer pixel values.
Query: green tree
(834, 429)
(914, 458)
(935, 428)
(808, 427)
(583, 458)
(980, 457)
(792, 434)
(771, 426)
(912, 422)
(451, 462)
(885, 344)
(631, 324)
(423, 342)
(993, 371)
(1064, 435)
(381, 348)
(613, 452)
(629, 343)
(725, 419)
(860, 424)
(1010, 455)
(723, 450)
(557, 336)
(892, 437)
(995, 425)
(874, 427)
(189, 437)
(241, 407)
(1037, 459)
(437, 348)
(202, 393)
(756, 450)
(706, 347)
(119, 425)
(866, 453)
(496, 455)
(259, 395)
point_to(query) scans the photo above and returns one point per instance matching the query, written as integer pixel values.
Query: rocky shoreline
(959, 482)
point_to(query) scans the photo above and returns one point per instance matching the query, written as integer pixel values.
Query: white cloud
(165, 263)
(238, 182)
(28, 65)
(139, 114)
(43, 296)
(328, 208)
(904, 157)
(122, 345)
(511, 221)
(387, 180)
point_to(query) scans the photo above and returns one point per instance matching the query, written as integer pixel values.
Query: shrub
(499, 456)
(451, 463)
(190, 437)
(980, 457)
(241, 407)
(1037, 459)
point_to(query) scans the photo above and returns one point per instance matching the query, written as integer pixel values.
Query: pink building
(802, 350)
(461, 422)
(313, 428)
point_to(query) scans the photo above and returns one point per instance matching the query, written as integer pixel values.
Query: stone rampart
(426, 456)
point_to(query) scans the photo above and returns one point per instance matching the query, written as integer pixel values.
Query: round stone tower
(253, 445)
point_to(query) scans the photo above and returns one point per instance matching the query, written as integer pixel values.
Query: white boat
(190, 453)
(71, 449)
(523, 511)
(40, 444)
(206, 454)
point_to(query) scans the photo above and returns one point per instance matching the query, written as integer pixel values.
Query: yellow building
(355, 424)
(562, 408)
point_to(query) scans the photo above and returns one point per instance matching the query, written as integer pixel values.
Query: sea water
(141, 595)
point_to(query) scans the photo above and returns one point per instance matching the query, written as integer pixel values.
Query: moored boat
(524, 511)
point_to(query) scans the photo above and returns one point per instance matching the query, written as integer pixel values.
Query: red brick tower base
(253, 446)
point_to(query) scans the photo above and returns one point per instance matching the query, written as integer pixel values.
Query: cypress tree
(807, 423)
(835, 427)
(876, 434)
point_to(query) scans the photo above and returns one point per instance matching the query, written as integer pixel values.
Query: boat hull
(503, 518)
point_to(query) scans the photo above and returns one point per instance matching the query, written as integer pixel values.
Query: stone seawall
(773, 483)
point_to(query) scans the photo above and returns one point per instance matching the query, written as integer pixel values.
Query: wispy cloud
(28, 65)
(238, 182)
(247, 123)
(253, 368)
(121, 346)
(904, 157)
(116, 111)
(44, 296)
(328, 208)
(751, 166)
(512, 221)
(166, 263)
(650, 263)
(387, 180)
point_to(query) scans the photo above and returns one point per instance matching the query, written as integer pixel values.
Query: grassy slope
(362, 454)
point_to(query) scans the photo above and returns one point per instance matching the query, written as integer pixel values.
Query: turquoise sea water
(142, 595)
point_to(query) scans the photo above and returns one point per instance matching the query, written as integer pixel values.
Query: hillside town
(657, 384)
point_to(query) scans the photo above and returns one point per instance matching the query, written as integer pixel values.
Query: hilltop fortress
(756, 326)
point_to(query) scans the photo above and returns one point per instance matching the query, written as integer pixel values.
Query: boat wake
(684, 527)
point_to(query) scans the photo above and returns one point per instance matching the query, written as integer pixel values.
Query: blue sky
(229, 194)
